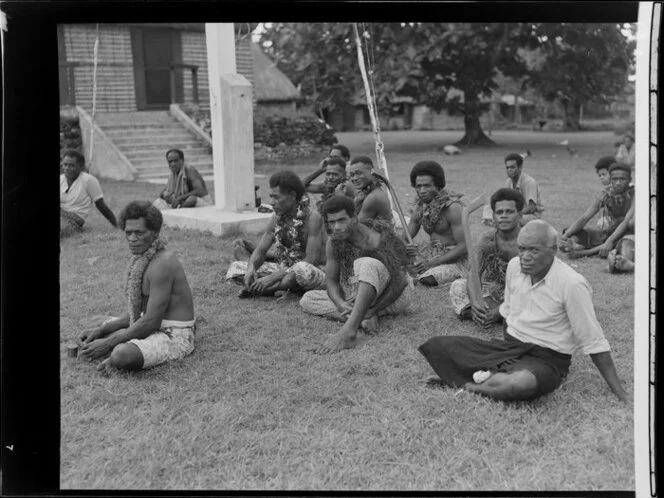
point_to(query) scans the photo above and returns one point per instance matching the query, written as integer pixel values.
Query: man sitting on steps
(185, 187)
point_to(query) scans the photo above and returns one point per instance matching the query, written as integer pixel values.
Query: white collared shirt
(557, 312)
(78, 197)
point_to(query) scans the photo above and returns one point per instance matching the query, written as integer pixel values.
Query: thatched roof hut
(270, 84)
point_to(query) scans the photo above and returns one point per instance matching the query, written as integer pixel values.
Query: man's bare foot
(612, 261)
(623, 264)
(105, 368)
(370, 325)
(344, 339)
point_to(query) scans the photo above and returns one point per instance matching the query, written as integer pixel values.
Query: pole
(94, 95)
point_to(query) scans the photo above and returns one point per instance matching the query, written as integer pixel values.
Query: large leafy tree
(421, 60)
(575, 63)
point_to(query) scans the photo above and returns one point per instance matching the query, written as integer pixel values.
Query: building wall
(115, 84)
(194, 51)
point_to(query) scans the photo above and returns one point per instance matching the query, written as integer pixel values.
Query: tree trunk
(571, 116)
(471, 120)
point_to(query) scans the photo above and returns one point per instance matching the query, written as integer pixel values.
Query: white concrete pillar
(231, 116)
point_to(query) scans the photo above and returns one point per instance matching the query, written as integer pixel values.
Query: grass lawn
(253, 408)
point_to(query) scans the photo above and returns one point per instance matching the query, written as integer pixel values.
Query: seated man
(337, 151)
(549, 314)
(78, 191)
(296, 232)
(366, 276)
(526, 185)
(445, 258)
(371, 201)
(159, 324)
(480, 295)
(185, 187)
(614, 203)
(335, 181)
(602, 168)
(626, 151)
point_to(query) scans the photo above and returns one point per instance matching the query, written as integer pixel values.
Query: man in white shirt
(549, 315)
(78, 192)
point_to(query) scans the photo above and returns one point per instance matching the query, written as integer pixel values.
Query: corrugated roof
(270, 84)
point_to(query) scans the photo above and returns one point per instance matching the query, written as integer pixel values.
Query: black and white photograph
(404, 252)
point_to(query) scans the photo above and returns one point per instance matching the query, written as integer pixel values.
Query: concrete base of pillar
(217, 221)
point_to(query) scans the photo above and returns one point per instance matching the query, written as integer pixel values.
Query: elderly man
(296, 231)
(78, 191)
(185, 187)
(616, 207)
(159, 323)
(366, 276)
(549, 314)
(438, 212)
(480, 295)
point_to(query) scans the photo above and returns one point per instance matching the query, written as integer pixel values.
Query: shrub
(272, 128)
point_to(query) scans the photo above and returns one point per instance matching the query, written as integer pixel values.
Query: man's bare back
(181, 304)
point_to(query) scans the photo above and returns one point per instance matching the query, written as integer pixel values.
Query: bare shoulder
(486, 239)
(453, 212)
(164, 263)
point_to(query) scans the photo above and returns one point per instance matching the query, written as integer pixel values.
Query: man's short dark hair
(336, 161)
(622, 167)
(338, 203)
(136, 210)
(362, 159)
(288, 181)
(507, 194)
(514, 157)
(429, 168)
(177, 151)
(80, 158)
(345, 153)
(605, 163)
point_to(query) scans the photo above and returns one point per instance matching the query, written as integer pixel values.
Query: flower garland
(428, 213)
(291, 242)
(135, 272)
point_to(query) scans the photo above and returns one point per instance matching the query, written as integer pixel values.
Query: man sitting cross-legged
(445, 258)
(371, 201)
(549, 314)
(159, 324)
(296, 231)
(366, 275)
(526, 185)
(616, 203)
(185, 188)
(335, 181)
(480, 295)
(78, 192)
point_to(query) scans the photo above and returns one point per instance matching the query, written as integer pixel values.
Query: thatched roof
(270, 84)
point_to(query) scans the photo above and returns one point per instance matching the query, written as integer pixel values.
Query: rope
(94, 94)
(373, 114)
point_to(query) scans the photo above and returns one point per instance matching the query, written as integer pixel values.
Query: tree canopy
(569, 62)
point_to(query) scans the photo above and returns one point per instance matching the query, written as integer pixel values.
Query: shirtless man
(159, 324)
(371, 201)
(296, 231)
(480, 295)
(337, 151)
(615, 202)
(439, 213)
(335, 181)
(366, 276)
